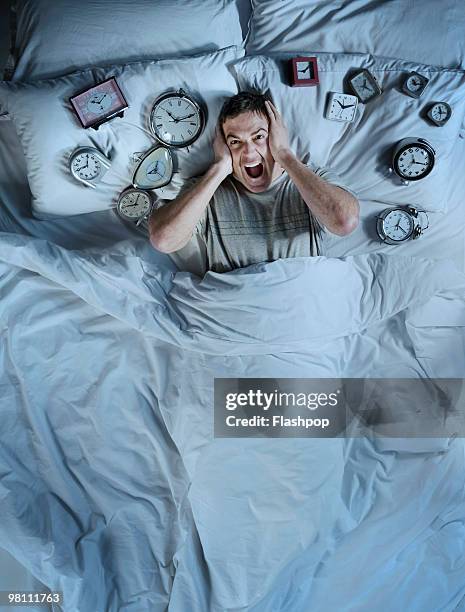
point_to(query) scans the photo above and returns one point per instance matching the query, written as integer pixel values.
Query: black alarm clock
(412, 159)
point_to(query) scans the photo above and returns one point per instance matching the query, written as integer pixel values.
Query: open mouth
(254, 170)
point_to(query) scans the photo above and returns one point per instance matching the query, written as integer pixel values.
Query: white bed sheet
(108, 422)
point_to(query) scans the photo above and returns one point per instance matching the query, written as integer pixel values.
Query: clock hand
(339, 103)
(347, 105)
(167, 111)
(364, 85)
(401, 228)
(186, 117)
(302, 71)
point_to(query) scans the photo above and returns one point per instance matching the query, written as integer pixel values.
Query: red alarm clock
(303, 71)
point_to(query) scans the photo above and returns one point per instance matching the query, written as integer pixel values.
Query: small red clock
(99, 103)
(303, 71)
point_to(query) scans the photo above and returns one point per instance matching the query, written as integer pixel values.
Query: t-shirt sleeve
(331, 177)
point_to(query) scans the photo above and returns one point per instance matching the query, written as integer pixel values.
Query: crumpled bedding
(112, 487)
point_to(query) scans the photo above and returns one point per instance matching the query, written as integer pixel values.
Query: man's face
(247, 138)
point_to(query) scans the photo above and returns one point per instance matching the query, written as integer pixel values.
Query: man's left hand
(278, 138)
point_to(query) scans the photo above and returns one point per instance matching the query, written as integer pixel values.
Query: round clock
(413, 159)
(439, 113)
(88, 165)
(155, 169)
(176, 120)
(134, 204)
(396, 225)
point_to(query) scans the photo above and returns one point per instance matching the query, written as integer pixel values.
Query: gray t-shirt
(240, 228)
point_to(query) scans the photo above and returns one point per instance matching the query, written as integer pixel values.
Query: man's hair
(244, 102)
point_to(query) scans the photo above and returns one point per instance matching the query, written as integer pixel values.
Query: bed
(114, 489)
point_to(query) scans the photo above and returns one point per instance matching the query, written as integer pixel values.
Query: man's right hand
(222, 153)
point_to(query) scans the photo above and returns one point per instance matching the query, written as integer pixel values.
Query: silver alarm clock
(87, 165)
(176, 120)
(135, 205)
(397, 225)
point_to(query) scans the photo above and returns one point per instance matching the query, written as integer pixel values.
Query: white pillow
(58, 36)
(49, 130)
(426, 31)
(361, 151)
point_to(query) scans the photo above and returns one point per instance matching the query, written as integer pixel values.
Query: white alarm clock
(341, 107)
(87, 165)
(397, 225)
(135, 204)
(155, 169)
(412, 159)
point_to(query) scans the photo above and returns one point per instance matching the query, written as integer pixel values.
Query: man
(257, 202)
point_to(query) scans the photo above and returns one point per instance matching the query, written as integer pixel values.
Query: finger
(270, 109)
(274, 109)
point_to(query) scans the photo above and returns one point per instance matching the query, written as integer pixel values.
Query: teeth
(252, 165)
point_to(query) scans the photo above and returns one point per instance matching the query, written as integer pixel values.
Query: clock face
(440, 113)
(86, 166)
(398, 225)
(365, 86)
(413, 162)
(155, 170)
(176, 120)
(134, 203)
(415, 84)
(341, 107)
(304, 70)
(98, 103)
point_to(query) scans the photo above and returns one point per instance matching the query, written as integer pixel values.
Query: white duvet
(112, 487)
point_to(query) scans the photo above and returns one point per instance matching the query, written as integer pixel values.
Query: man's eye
(259, 136)
(233, 142)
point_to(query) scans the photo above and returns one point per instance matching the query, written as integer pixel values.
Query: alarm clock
(365, 85)
(341, 107)
(397, 225)
(303, 71)
(414, 84)
(99, 104)
(439, 113)
(176, 120)
(154, 170)
(87, 165)
(134, 204)
(412, 159)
